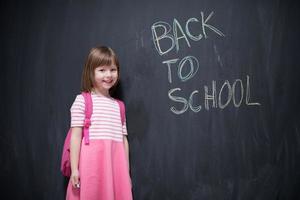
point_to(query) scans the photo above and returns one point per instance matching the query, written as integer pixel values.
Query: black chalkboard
(211, 91)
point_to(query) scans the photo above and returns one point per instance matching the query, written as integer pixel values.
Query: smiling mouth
(108, 82)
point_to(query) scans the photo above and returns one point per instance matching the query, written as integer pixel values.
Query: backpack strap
(88, 113)
(122, 110)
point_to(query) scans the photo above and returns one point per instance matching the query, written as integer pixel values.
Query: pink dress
(103, 166)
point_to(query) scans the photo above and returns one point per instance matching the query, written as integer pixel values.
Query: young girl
(100, 169)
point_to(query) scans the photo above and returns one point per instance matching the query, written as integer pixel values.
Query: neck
(100, 92)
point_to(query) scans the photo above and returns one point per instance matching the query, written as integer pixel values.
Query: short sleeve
(78, 112)
(124, 128)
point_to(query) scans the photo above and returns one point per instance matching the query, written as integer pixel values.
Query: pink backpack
(65, 166)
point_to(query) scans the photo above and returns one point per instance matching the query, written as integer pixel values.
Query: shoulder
(79, 98)
(120, 102)
(121, 106)
(78, 102)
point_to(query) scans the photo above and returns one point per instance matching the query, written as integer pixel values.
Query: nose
(108, 73)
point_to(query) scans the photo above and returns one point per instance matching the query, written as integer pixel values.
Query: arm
(74, 154)
(126, 149)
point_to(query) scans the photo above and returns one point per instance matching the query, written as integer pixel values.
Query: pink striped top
(105, 119)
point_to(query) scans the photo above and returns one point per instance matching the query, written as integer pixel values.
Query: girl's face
(105, 77)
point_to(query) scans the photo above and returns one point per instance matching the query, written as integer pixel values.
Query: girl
(100, 169)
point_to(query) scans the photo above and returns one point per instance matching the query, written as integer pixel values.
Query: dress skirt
(104, 173)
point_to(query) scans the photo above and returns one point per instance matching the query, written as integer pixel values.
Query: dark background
(246, 152)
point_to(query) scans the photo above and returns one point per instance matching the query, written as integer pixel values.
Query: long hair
(98, 56)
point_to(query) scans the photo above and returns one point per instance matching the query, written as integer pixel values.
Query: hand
(75, 179)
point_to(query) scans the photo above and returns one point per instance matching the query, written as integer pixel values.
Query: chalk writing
(166, 38)
(193, 64)
(161, 31)
(215, 99)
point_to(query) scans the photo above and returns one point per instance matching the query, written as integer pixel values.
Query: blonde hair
(98, 56)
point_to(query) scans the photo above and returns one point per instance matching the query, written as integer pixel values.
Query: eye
(113, 69)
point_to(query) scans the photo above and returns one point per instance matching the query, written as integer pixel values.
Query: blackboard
(211, 90)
